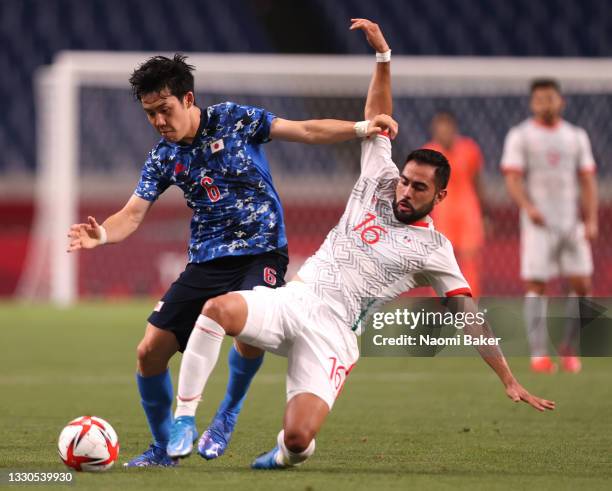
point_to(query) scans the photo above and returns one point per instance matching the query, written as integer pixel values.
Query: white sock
(571, 338)
(199, 358)
(288, 458)
(535, 310)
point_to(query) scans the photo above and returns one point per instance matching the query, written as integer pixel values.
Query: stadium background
(115, 136)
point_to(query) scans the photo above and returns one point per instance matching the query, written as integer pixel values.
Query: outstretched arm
(117, 227)
(326, 130)
(378, 104)
(379, 100)
(493, 356)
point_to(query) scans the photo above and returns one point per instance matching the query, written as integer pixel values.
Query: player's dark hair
(544, 83)
(424, 156)
(445, 114)
(159, 73)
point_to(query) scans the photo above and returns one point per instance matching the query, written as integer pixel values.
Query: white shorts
(547, 253)
(292, 321)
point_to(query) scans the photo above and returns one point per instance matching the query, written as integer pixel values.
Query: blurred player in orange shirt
(459, 216)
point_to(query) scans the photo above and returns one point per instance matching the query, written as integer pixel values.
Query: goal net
(93, 137)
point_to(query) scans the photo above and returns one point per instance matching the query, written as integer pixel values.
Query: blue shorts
(181, 305)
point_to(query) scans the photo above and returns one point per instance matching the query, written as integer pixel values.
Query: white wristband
(383, 57)
(361, 128)
(103, 236)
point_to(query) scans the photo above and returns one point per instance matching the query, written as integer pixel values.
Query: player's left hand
(518, 393)
(84, 235)
(372, 32)
(381, 123)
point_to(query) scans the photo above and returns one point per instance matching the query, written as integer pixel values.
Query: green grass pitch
(442, 423)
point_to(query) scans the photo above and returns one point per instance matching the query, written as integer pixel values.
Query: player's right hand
(84, 235)
(535, 216)
(518, 393)
(382, 123)
(372, 32)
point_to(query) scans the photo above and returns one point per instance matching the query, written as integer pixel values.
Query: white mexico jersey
(551, 159)
(370, 257)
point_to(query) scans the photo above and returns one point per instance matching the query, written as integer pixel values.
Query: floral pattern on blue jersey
(226, 180)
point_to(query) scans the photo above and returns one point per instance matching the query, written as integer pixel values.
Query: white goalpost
(51, 273)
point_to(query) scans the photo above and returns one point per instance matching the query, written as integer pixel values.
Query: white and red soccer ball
(88, 443)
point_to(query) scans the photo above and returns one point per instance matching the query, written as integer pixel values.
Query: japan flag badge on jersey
(217, 146)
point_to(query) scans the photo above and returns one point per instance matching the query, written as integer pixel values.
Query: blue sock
(242, 371)
(156, 398)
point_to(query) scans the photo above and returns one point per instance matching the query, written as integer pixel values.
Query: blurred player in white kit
(549, 168)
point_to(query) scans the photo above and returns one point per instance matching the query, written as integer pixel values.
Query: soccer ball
(88, 443)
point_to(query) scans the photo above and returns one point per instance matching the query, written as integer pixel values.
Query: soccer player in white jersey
(548, 166)
(383, 245)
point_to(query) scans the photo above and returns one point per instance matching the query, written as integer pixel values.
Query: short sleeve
(513, 156)
(376, 158)
(152, 181)
(586, 162)
(253, 122)
(443, 273)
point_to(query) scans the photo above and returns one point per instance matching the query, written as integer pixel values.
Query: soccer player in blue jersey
(215, 156)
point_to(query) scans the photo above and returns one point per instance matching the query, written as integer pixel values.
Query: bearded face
(406, 213)
(416, 193)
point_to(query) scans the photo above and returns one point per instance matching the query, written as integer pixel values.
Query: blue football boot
(216, 438)
(268, 460)
(153, 457)
(182, 435)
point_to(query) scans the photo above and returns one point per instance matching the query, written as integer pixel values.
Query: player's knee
(150, 361)
(219, 310)
(535, 289)
(582, 289)
(142, 353)
(248, 351)
(583, 292)
(215, 309)
(298, 439)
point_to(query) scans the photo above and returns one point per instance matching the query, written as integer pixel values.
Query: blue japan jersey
(226, 180)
